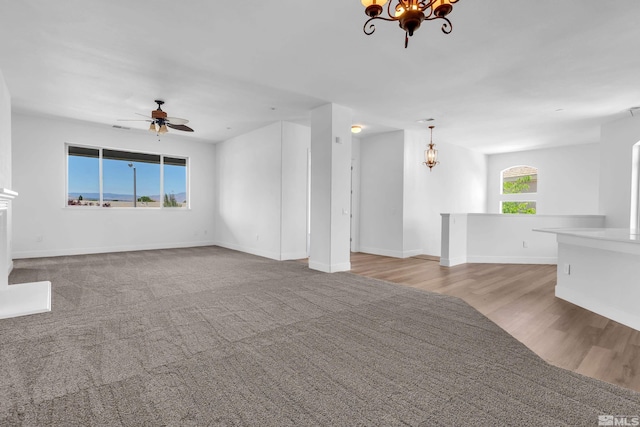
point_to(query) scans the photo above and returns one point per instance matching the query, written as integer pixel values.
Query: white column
(635, 190)
(5, 250)
(330, 188)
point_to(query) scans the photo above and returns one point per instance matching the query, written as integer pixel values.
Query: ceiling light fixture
(431, 155)
(409, 14)
(356, 129)
(159, 122)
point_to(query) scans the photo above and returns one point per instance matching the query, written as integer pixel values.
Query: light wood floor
(521, 300)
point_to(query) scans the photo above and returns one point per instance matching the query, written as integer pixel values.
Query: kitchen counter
(599, 269)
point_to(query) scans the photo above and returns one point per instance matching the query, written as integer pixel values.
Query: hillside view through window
(114, 179)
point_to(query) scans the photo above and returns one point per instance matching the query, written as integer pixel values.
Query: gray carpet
(209, 336)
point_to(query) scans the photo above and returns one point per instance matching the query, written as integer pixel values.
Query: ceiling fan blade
(144, 115)
(133, 120)
(177, 121)
(180, 127)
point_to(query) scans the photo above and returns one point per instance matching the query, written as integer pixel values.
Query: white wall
(457, 184)
(414, 187)
(45, 226)
(616, 147)
(600, 272)
(568, 178)
(295, 148)
(510, 239)
(248, 191)
(355, 194)
(454, 239)
(5, 171)
(506, 239)
(261, 191)
(5, 135)
(381, 194)
(401, 199)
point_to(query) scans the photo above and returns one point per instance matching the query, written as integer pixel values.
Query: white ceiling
(495, 84)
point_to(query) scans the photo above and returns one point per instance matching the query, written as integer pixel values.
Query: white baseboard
(481, 259)
(106, 249)
(326, 268)
(450, 262)
(293, 255)
(252, 251)
(390, 253)
(631, 320)
(10, 266)
(413, 252)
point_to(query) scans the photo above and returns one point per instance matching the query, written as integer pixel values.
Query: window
(519, 207)
(175, 183)
(115, 178)
(519, 186)
(83, 176)
(130, 180)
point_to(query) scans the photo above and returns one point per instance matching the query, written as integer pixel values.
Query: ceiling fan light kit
(408, 13)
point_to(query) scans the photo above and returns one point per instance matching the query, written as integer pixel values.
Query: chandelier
(409, 14)
(431, 155)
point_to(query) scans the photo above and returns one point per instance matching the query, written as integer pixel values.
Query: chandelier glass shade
(431, 154)
(408, 13)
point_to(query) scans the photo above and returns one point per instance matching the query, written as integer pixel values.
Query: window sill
(110, 209)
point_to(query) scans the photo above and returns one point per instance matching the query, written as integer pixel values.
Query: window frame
(100, 205)
(530, 197)
(502, 202)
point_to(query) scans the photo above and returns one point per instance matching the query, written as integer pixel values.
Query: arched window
(519, 188)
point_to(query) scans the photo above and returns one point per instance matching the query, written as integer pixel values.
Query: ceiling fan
(159, 121)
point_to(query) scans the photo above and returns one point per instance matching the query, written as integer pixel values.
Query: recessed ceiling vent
(121, 127)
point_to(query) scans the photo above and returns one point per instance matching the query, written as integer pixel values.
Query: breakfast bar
(599, 269)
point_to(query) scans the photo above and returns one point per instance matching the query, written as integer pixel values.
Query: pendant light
(431, 154)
